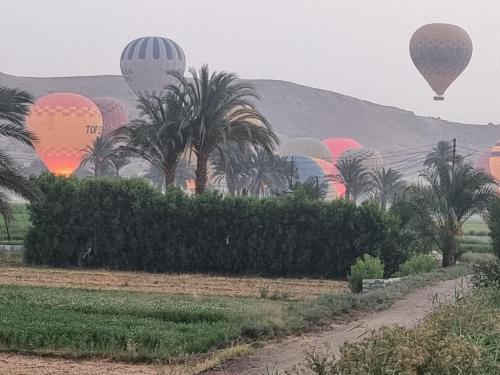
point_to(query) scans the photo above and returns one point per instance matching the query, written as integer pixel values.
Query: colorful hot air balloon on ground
(309, 169)
(146, 64)
(308, 147)
(114, 114)
(337, 146)
(441, 52)
(370, 158)
(495, 161)
(65, 125)
(483, 163)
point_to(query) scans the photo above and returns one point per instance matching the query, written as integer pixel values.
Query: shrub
(486, 274)
(460, 338)
(418, 263)
(127, 224)
(367, 267)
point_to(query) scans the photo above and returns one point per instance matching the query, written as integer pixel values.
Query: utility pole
(453, 160)
(291, 175)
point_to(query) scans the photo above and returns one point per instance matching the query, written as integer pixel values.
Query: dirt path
(288, 353)
(285, 354)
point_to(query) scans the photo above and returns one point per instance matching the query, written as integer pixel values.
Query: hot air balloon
(483, 163)
(329, 171)
(370, 158)
(65, 125)
(308, 147)
(309, 169)
(338, 145)
(114, 114)
(146, 64)
(495, 161)
(441, 52)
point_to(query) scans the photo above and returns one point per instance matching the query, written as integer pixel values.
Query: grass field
(17, 228)
(129, 325)
(475, 226)
(146, 317)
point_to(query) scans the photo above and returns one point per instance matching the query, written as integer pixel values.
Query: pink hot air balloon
(114, 114)
(337, 146)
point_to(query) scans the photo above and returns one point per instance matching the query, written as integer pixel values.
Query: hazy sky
(354, 47)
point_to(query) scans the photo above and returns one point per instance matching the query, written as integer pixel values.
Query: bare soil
(193, 284)
(284, 354)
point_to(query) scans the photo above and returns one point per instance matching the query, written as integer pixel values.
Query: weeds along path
(285, 354)
(290, 352)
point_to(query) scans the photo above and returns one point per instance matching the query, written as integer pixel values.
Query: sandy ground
(284, 354)
(300, 289)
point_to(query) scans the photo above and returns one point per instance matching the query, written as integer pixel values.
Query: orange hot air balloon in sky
(65, 125)
(440, 52)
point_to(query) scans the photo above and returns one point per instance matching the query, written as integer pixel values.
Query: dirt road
(285, 354)
(290, 352)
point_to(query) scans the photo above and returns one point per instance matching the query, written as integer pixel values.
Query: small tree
(448, 197)
(160, 136)
(387, 185)
(353, 176)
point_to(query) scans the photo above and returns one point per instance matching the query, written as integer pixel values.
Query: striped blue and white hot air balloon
(147, 63)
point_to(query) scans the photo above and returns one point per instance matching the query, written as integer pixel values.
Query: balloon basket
(439, 98)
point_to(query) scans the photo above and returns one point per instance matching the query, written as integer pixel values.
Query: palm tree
(160, 136)
(98, 155)
(118, 160)
(14, 107)
(386, 184)
(267, 171)
(231, 166)
(183, 173)
(221, 109)
(441, 155)
(355, 178)
(448, 198)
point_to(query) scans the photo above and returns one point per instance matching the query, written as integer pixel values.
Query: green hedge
(129, 225)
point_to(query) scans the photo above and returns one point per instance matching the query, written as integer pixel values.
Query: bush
(367, 267)
(129, 225)
(419, 263)
(486, 274)
(455, 339)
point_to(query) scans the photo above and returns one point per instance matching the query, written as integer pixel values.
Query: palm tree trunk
(201, 173)
(449, 248)
(169, 175)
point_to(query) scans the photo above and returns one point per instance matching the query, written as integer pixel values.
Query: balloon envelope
(483, 163)
(338, 145)
(308, 147)
(440, 52)
(308, 169)
(495, 161)
(146, 64)
(370, 158)
(65, 125)
(114, 114)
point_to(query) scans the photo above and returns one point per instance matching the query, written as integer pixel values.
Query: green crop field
(127, 325)
(475, 226)
(17, 228)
